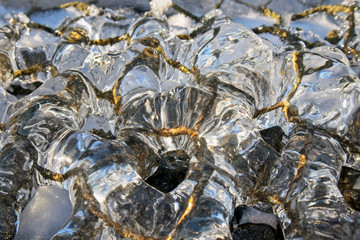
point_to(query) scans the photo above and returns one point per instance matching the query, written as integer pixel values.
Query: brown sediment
(205, 27)
(260, 112)
(58, 177)
(81, 6)
(299, 68)
(274, 199)
(110, 41)
(218, 5)
(77, 35)
(284, 34)
(34, 69)
(271, 14)
(184, 36)
(330, 9)
(302, 163)
(199, 122)
(47, 174)
(175, 131)
(350, 33)
(275, 30)
(154, 43)
(333, 37)
(41, 27)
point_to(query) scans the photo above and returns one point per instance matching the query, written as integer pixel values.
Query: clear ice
(204, 129)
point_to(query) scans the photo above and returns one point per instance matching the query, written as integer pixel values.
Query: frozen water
(53, 18)
(320, 24)
(253, 19)
(207, 122)
(45, 214)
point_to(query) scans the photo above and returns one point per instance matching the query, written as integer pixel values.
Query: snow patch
(158, 7)
(180, 20)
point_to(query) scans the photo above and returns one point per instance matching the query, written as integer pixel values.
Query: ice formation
(199, 130)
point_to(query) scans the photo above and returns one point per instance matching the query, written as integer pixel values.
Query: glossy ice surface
(168, 126)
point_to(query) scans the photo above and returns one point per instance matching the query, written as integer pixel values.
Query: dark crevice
(20, 91)
(348, 187)
(252, 231)
(274, 136)
(171, 171)
(33, 57)
(103, 134)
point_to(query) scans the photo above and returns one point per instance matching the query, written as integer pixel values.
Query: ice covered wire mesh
(173, 120)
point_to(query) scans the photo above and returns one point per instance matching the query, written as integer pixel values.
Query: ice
(3, 11)
(253, 19)
(25, 5)
(321, 22)
(45, 214)
(53, 18)
(179, 120)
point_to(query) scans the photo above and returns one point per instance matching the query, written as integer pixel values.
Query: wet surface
(187, 125)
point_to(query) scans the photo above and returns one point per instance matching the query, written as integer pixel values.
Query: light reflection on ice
(45, 214)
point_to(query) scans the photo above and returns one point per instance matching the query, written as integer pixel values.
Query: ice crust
(45, 214)
(104, 116)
